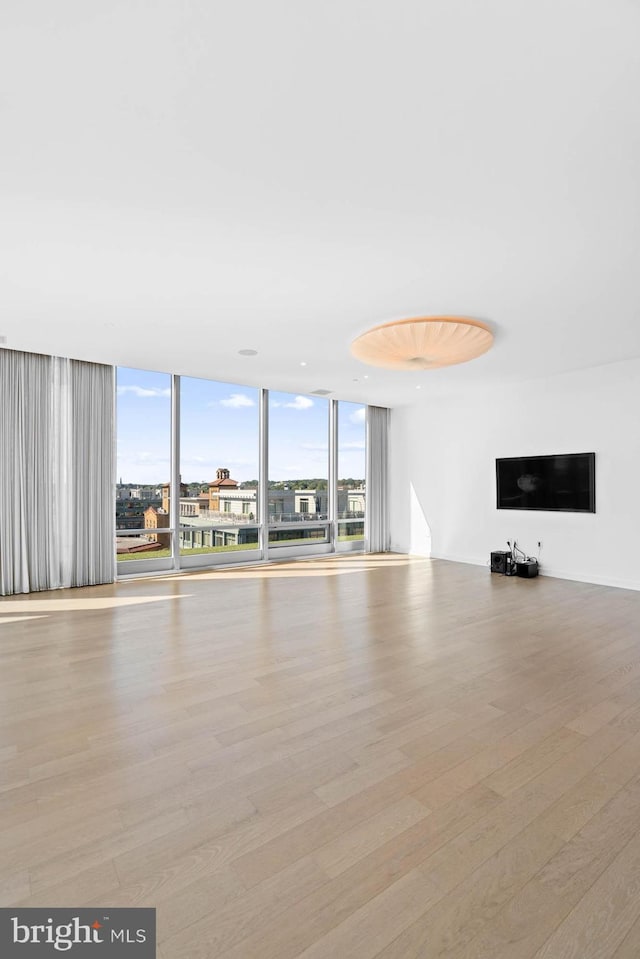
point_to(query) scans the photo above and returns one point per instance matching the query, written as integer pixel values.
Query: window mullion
(174, 508)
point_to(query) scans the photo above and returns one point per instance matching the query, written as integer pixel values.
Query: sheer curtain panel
(376, 523)
(56, 472)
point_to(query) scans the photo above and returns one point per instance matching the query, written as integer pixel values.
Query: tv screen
(561, 483)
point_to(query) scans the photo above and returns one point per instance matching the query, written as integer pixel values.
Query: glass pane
(351, 470)
(298, 459)
(143, 409)
(219, 456)
(195, 541)
(350, 530)
(298, 537)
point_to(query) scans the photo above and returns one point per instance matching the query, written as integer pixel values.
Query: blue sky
(219, 427)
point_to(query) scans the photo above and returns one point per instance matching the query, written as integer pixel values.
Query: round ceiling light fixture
(248, 352)
(423, 342)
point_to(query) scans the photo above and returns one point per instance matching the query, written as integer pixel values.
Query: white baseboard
(594, 579)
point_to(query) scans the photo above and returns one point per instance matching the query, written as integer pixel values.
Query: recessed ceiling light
(418, 387)
(303, 363)
(248, 352)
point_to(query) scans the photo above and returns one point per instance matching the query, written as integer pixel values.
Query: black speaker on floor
(499, 561)
(527, 569)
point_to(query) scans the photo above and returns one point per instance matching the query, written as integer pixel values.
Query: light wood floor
(340, 759)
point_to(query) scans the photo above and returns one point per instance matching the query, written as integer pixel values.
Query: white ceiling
(181, 179)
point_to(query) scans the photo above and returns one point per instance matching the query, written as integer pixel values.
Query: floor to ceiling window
(256, 474)
(298, 493)
(142, 512)
(351, 492)
(219, 467)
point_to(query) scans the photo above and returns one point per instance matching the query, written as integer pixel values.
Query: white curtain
(376, 523)
(56, 472)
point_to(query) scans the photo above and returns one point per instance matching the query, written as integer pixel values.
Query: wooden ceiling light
(423, 342)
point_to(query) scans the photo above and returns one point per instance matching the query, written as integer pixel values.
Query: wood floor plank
(533, 761)
(14, 887)
(66, 864)
(359, 756)
(378, 922)
(81, 888)
(336, 856)
(465, 907)
(221, 927)
(528, 919)
(600, 922)
(36, 846)
(629, 948)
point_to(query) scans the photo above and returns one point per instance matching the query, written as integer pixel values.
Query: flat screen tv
(564, 483)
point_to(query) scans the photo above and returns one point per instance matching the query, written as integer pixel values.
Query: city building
(227, 515)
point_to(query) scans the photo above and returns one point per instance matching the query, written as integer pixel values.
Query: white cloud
(300, 403)
(141, 466)
(315, 447)
(237, 401)
(358, 416)
(144, 391)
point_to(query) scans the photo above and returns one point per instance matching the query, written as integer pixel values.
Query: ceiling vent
(321, 392)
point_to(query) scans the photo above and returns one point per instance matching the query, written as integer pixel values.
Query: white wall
(443, 473)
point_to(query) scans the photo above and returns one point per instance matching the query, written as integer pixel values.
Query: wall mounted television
(565, 483)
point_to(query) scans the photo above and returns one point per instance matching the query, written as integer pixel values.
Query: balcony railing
(233, 519)
(297, 518)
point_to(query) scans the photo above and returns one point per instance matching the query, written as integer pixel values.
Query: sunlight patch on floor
(69, 605)
(17, 619)
(300, 570)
